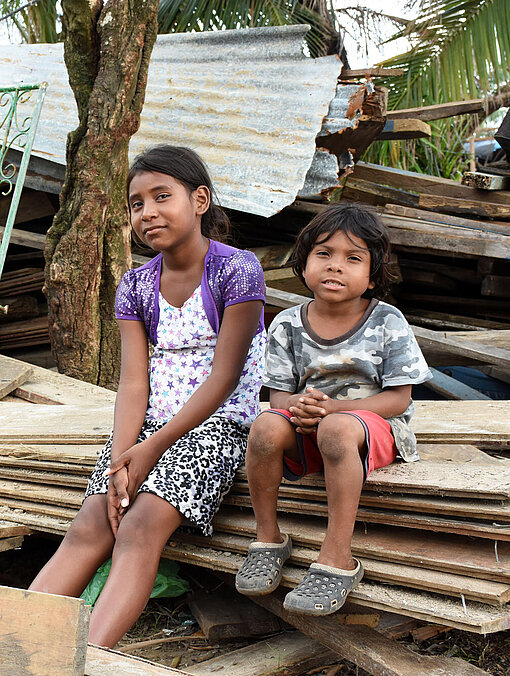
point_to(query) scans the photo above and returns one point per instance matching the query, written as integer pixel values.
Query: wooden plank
(448, 584)
(439, 524)
(496, 285)
(350, 74)
(440, 478)
(458, 205)
(478, 179)
(439, 111)
(274, 655)
(425, 183)
(367, 648)
(283, 299)
(25, 238)
(274, 256)
(476, 617)
(357, 189)
(452, 388)
(435, 551)
(46, 386)
(10, 543)
(104, 662)
(9, 529)
(446, 219)
(449, 344)
(222, 614)
(12, 375)
(42, 633)
(404, 128)
(451, 507)
(84, 455)
(39, 423)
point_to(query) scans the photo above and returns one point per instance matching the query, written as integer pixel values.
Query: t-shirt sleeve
(125, 298)
(280, 371)
(243, 279)
(403, 362)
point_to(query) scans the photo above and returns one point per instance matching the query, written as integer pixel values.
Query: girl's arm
(237, 329)
(133, 391)
(130, 407)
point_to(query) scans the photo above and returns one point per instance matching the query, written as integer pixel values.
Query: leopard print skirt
(194, 474)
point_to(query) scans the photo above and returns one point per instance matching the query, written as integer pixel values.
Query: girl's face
(338, 269)
(164, 214)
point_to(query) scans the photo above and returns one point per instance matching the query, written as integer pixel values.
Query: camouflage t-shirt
(380, 351)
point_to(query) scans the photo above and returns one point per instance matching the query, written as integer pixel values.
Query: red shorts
(381, 448)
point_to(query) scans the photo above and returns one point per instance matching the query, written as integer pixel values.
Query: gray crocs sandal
(261, 571)
(323, 590)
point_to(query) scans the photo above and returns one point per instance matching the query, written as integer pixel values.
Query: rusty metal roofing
(248, 101)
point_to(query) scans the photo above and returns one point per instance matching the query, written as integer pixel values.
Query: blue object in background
(492, 387)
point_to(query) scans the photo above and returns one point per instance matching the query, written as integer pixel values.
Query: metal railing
(19, 133)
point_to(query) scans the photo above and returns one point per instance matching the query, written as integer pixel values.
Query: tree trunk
(107, 50)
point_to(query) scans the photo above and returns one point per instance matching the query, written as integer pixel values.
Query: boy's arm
(283, 400)
(314, 405)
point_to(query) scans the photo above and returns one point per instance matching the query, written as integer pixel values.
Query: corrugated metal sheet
(248, 101)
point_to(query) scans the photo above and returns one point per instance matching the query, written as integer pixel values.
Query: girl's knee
(90, 526)
(270, 434)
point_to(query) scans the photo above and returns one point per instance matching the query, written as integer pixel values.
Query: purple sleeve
(125, 299)
(243, 279)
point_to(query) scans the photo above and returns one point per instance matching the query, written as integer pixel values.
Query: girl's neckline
(332, 341)
(176, 307)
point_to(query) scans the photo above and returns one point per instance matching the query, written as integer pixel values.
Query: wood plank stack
(434, 536)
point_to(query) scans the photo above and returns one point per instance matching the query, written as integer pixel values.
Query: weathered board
(69, 424)
(12, 375)
(42, 633)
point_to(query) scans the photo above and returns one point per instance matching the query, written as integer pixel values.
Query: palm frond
(177, 16)
(461, 50)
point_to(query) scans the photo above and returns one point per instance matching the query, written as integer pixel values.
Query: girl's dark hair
(188, 168)
(353, 220)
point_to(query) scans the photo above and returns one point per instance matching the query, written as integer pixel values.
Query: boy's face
(338, 269)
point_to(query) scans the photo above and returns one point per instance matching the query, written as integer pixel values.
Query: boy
(340, 370)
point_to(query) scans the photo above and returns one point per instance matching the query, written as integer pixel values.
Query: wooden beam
(366, 647)
(478, 351)
(12, 374)
(456, 205)
(496, 285)
(266, 658)
(425, 183)
(452, 388)
(104, 662)
(446, 219)
(438, 111)
(482, 181)
(404, 129)
(350, 74)
(42, 633)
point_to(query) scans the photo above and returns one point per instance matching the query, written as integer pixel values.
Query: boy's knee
(339, 435)
(269, 434)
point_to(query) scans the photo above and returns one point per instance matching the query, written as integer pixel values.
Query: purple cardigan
(230, 276)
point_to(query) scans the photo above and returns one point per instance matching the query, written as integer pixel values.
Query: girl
(180, 427)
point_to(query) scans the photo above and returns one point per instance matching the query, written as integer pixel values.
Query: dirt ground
(171, 619)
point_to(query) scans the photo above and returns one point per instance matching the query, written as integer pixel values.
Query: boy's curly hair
(353, 220)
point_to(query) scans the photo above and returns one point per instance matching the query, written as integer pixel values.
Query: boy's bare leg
(87, 544)
(340, 437)
(142, 534)
(271, 437)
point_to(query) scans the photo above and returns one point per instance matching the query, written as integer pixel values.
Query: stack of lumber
(20, 325)
(434, 536)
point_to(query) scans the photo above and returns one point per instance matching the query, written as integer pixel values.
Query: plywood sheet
(69, 424)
